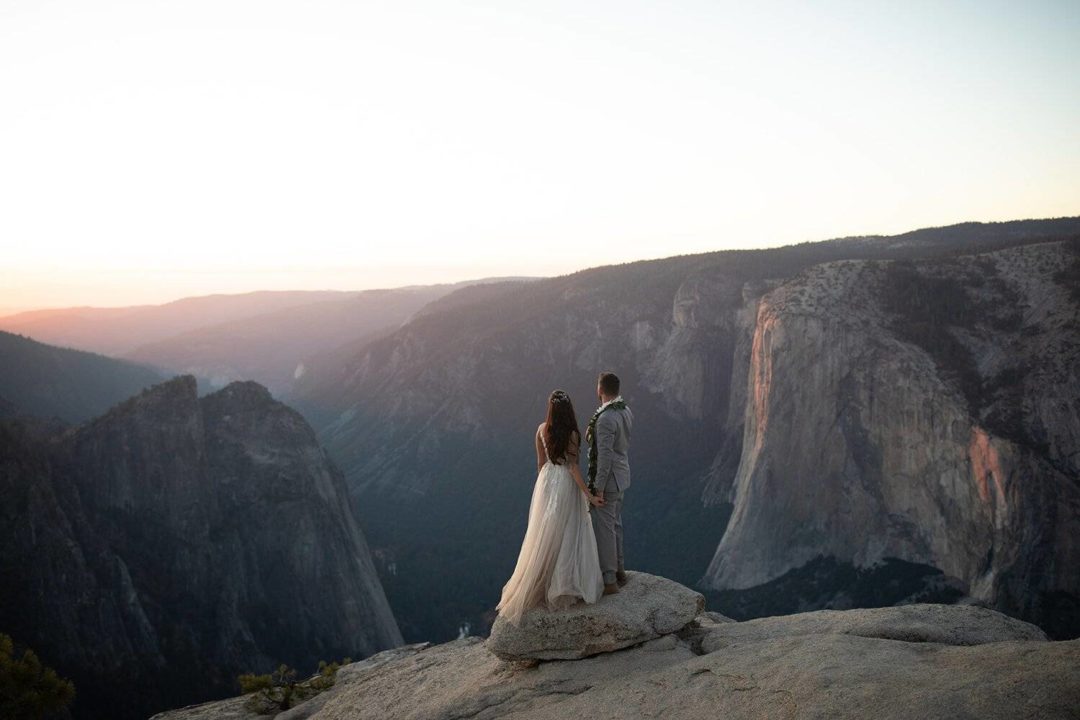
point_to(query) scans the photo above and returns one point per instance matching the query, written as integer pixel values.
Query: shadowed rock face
(154, 553)
(924, 661)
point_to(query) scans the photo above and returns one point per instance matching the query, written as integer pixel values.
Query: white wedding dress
(558, 565)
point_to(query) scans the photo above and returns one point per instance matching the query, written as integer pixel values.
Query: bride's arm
(539, 448)
(575, 471)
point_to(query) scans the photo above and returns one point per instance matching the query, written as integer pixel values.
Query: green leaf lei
(590, 437)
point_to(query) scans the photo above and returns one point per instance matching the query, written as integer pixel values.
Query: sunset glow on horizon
(155, 150)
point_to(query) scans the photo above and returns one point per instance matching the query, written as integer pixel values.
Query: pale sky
(152, 150)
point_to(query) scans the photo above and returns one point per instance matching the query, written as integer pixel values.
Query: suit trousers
(607, 525)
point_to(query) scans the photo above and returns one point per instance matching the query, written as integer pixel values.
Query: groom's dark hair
(609, 383)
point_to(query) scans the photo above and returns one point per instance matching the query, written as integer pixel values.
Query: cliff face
(175, 542)
(928, 411)
(837, 393)
(432, 427)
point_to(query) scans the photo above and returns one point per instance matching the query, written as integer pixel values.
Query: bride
(558, 563)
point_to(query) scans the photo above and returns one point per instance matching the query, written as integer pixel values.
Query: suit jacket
(612, 442)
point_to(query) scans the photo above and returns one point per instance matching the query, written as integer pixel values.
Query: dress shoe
(620, 578)
(611, 589)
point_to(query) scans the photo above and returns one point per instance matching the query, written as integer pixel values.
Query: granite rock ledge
(644, 609)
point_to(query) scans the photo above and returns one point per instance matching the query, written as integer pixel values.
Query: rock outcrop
(647, 607)
(923, 661)
(155, 552)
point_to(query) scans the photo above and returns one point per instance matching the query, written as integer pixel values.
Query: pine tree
(28, 689)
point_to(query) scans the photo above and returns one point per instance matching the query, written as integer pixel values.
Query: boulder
(646, 608)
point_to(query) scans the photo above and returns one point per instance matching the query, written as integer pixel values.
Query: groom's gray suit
(612, 479)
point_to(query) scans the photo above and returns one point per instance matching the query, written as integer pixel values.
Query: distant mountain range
(271, 346)
(268, 337)
(895, 412)
(118, 330)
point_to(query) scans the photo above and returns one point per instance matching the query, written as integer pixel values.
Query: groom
(608, 436)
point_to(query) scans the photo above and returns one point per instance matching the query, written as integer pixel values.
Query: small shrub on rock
(275, 692)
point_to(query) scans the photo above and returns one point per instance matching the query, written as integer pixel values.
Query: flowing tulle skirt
(558, 565)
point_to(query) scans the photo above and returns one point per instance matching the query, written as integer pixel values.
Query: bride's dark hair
(561, 424)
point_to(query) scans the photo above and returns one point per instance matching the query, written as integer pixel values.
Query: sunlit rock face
(925, 411)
